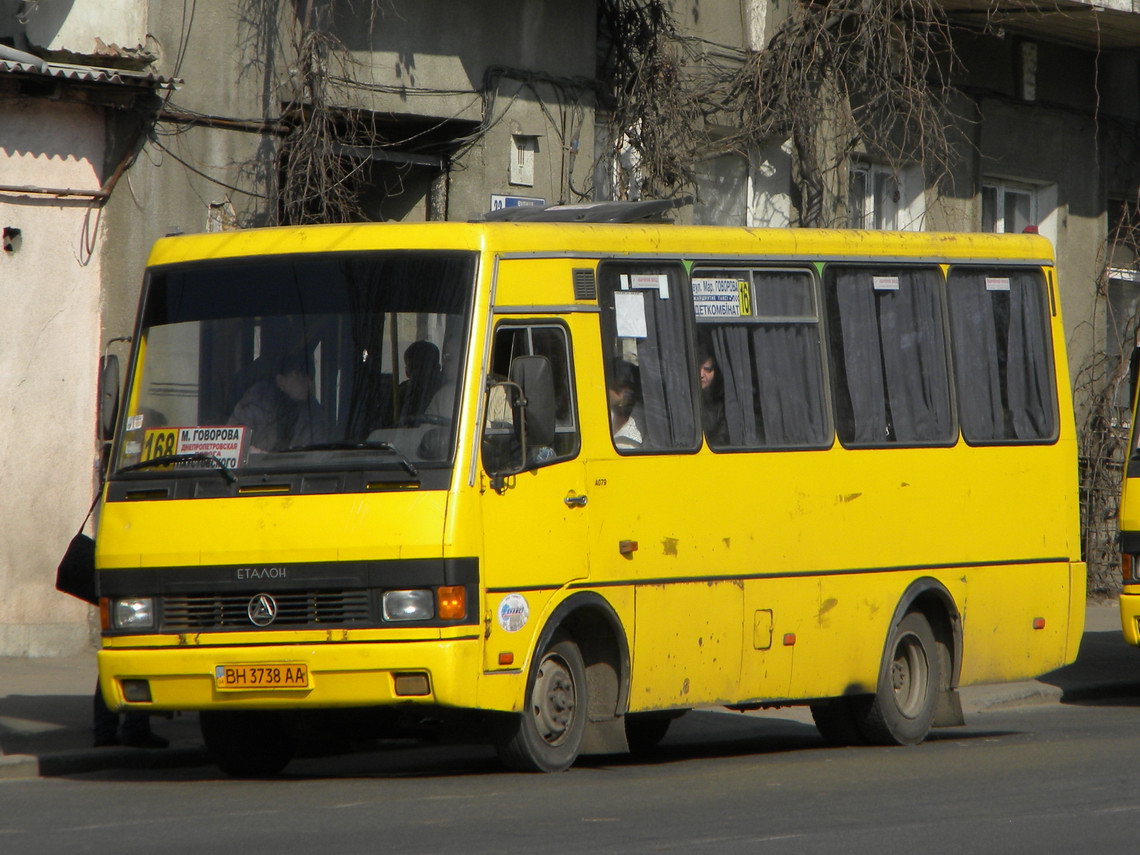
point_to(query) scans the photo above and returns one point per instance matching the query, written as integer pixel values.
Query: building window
(1122, 311)
(1007, 207)
(722, 192)
(879, 197)
(875, 197)
(523, 149)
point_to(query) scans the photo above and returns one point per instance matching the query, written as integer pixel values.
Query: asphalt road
(1044, 778)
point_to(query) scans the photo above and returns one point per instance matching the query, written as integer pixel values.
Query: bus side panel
(1016, 622)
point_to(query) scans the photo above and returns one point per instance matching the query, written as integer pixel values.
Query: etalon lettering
(259, 573)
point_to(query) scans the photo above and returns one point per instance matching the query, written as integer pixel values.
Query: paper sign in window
(997, 283)
(885, 283)
(629, 308)
(658, 282)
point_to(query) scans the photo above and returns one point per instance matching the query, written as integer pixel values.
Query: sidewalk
(45, 705)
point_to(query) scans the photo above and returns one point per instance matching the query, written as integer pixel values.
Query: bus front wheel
(901, 711)
(547, 736)
(246, 743)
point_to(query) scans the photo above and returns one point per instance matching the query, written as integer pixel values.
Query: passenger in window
(626, 414)
(439, 409)
(712, 400)
(424, 379)
(281, 411)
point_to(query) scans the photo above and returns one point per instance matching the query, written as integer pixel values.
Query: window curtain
(789, 379)
(1002, 356)
(733, 358)
(666, 384)
(892, 353)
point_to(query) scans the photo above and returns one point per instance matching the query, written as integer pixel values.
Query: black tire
(644, 731)
(247, 743)
(547, 736)
(901, 711)
(835, 719)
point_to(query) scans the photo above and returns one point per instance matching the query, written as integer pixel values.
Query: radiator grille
(294, 608)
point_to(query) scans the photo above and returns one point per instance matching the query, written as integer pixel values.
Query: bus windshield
(299, 362)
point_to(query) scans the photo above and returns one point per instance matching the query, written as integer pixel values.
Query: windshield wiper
(169, 459)
(363, 445)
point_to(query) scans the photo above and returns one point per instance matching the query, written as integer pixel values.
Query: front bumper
(340, 675)
(1130, 614)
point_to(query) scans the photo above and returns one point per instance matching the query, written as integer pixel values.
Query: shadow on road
(1106, 672)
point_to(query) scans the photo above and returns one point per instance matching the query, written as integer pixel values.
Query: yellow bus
(1129, 518)
(573, 476)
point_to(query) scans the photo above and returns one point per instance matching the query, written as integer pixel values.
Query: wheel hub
(553, 700)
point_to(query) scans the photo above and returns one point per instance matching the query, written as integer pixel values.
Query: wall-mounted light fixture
(11, 237)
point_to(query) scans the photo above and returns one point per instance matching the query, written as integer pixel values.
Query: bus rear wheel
(547, 736)
(247, 743)
(901, 711)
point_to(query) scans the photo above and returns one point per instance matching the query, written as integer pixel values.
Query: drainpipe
(13, 55)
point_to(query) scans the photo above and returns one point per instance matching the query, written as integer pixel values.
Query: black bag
(76, 572)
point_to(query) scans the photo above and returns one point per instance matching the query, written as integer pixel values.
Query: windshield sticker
(997, 283)
(720, 298)
(135, 422)
(222, 441)
(514, 612)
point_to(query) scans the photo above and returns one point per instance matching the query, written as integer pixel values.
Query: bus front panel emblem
(262, 610)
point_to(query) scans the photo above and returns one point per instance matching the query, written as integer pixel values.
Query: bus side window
(1000, 333)
(889, 358)
(499, 433)
(649, 367)
(760, 361)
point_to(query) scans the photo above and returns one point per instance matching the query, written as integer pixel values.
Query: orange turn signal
(451, 602)
(1126, 567)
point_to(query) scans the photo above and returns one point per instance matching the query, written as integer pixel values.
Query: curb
(61, 763)
(1007, 695)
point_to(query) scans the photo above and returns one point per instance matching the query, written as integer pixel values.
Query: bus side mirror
(520, 419)
(536, 379)
(108, 395)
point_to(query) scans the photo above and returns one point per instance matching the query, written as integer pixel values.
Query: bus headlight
(409, 605)
(137, 613)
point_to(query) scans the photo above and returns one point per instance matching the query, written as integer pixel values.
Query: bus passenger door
(534, 522)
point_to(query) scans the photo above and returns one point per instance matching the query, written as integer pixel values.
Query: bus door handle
(575, 501)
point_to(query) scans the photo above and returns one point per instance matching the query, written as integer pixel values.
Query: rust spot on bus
(669, 546)
(849, 497)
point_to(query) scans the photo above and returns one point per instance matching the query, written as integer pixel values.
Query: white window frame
(886, 199)
(998, 222)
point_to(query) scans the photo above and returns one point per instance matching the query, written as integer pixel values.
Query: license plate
(263, 675)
